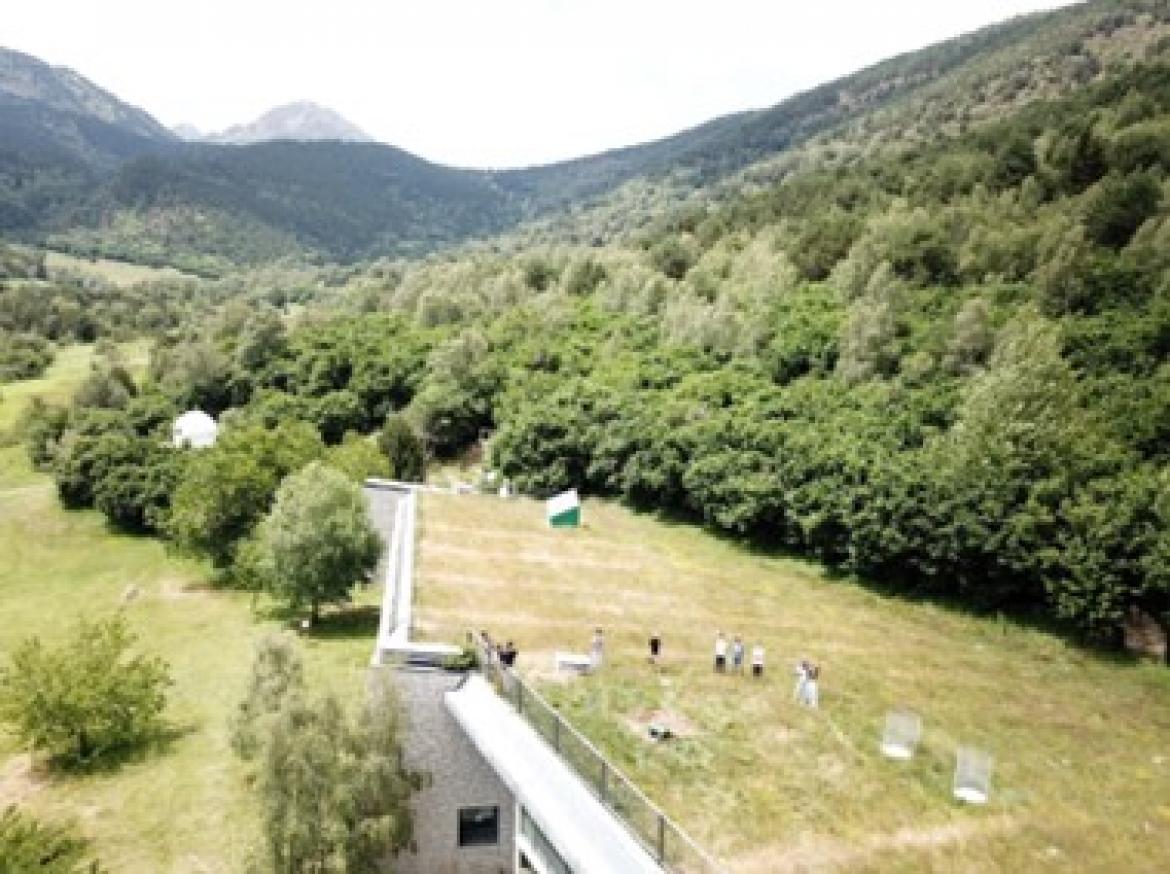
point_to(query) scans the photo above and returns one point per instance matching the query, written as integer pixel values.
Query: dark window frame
(479, 825)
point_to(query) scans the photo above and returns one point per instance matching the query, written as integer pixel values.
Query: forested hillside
(94, 176)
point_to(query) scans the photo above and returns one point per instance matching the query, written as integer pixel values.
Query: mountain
(24, 78)
(187, 132)
(98, 176)
(301, 121)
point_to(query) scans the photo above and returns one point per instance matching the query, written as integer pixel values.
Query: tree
(359, 458)
(335, 796)
(403, 449)
(973, 337)
(27, 845)
(277, 673)
(225, 490)
(319, 537)
(1119, 206)
(87, 698)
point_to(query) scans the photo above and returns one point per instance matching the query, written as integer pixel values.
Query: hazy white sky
(481, 82)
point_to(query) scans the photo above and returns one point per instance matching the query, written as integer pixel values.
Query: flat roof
(586, 834)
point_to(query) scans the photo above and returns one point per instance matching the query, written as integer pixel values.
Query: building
(498, 795)
(194, 429)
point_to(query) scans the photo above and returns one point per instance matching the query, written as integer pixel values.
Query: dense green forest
(943, 366)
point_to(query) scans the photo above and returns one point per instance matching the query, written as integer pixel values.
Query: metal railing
(670, 846)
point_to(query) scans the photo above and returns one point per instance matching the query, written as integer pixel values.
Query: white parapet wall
(396, 620)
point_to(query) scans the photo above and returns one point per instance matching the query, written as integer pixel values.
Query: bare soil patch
(673, 721)
(19, 780)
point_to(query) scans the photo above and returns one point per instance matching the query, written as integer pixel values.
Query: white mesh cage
(972, 775)
(901, 735)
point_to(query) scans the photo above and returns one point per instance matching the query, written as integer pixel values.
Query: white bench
(572, 661)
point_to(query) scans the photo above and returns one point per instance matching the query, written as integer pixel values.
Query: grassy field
(114, 272)
(71, 365)
(185, 807)
(1082, 742)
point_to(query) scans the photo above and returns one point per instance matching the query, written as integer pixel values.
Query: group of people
(808, 674)
(729, 657)
(504, 653)
(737, 653)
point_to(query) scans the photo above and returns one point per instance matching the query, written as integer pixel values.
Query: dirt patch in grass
(671, 720)
(19, 780)
(175, 589)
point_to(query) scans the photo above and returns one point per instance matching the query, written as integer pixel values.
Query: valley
(878, 376)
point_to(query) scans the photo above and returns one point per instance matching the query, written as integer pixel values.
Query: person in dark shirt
(655, 647)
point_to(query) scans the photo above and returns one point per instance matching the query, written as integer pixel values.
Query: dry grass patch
(1077, 737)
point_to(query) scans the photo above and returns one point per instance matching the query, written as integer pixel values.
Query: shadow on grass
(110, 761)
(344, 623)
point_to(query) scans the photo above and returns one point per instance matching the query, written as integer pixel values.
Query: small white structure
(902, 733)
(564, 510)
(195, 429)
(972, 775)
(572, 662)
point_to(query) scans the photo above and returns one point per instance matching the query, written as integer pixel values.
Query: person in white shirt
(801, 680)
(720, 652)
(758, 660)
(811, 695)
(596, 649)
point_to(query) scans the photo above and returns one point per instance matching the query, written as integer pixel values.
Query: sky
(482, 83)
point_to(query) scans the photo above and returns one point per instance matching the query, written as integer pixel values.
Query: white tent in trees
(195, 429)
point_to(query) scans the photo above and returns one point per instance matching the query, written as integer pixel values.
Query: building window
(479, 826)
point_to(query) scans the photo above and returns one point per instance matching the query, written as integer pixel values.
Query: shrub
(27, 845)
(87, 698)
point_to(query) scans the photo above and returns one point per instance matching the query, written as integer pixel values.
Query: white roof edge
(586, 833)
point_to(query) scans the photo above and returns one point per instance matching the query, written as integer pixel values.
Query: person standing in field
(720, 652)
(655, 647)
(812, 695)
(801, 680)
(758, 660)
(737, 655)
(597, 649)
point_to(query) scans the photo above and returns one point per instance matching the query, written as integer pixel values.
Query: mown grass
(184, 806)
(1082, 741)
(71, 365)
(115, 272)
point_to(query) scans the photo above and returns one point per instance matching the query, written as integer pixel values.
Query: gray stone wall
(458, 777)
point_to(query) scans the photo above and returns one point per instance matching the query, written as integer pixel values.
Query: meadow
(120, 273)
(1081, 740)
(71, 365)
(185, 806)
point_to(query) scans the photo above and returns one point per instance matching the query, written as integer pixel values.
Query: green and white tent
(564, 510)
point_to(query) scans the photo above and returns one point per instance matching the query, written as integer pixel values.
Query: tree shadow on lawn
(359, 622)
(158, 745)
